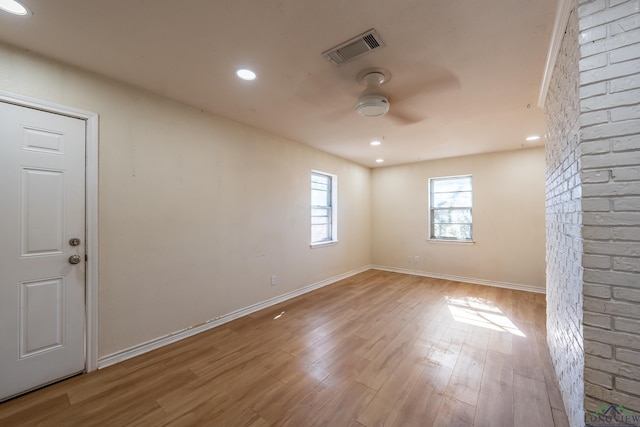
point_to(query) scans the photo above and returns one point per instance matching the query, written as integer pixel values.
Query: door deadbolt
(74, 259)
(74, 242)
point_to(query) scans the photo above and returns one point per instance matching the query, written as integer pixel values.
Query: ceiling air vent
(355, 47)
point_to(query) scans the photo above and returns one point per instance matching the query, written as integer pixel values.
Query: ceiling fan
(395, 101)
(373, 102)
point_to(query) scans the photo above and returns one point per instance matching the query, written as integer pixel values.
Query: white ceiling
(471, 69)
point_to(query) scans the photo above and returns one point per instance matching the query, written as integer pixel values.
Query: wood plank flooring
(376, 349)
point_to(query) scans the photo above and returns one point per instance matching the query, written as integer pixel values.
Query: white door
(42, 207)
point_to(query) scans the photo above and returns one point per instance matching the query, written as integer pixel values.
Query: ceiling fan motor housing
(372, 105)
(372, 101)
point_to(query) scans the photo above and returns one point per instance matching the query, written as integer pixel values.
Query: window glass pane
(451, 200)
(320, 179)
(320, 190)
(442, 185)
(320, 198)
(321, 220)
(452, 231)
(317, 211)
(319, 182)
(451, 216)
(320, 233)
(320, 216)
(319, 185)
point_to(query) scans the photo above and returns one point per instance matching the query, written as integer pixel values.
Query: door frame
(91, 211)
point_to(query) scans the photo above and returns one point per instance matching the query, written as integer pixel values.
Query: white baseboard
(506, 285)
(156, 343)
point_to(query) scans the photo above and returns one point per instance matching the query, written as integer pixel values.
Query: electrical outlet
(274, 280)
(416, 258)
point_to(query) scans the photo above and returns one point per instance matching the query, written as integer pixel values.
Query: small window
(323, 208)
(450, 208)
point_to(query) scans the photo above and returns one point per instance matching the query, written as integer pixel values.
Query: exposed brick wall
(593, 208)
(564, 220)
(610, 173)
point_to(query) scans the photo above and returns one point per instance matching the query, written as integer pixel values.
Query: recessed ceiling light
(379, 160)
(376, 142)
(533, 138)
(14, 7)
(246, 74)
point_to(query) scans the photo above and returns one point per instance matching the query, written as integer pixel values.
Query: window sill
(323, 244)
(452, 242)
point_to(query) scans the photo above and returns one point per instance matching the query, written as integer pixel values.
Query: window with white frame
(324, 191)
(450, 202)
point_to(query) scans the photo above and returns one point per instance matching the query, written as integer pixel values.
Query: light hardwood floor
(377, 349)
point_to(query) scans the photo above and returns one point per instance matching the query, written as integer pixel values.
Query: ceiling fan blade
(339, 114)
(313, 89)
(437, 85)
(325, 85)
(402, 117)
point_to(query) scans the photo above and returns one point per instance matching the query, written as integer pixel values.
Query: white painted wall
(508, 219)
(196, 211)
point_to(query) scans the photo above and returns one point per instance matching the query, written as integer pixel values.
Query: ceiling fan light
(372, 105)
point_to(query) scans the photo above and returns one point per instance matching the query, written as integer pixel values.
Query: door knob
(74, 259)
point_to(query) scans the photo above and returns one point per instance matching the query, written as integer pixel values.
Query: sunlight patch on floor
(481, 312)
